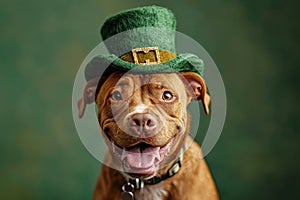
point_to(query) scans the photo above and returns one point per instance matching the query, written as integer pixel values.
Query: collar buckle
(174, 169)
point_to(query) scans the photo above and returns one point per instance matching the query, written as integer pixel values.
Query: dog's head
(144, 116)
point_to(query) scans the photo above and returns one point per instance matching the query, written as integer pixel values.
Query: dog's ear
(196, 88)
(88, 96)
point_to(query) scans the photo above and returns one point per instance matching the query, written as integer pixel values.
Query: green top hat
(142, 40)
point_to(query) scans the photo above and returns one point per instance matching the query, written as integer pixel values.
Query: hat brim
(106, 64)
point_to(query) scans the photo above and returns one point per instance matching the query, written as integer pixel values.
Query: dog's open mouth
(142, 158)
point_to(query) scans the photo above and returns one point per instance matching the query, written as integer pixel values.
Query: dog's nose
(147, 121)
(144, 123)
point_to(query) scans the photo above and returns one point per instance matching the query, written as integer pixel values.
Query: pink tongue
(137, 158)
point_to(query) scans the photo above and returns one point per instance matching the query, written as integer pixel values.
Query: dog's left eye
(167, 96)
(116, 95)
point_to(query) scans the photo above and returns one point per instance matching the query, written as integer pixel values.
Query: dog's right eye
(167, 96)
(116, 95)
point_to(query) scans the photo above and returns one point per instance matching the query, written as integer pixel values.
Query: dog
(145, 121)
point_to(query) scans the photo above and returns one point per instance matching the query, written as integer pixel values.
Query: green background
(254, 43)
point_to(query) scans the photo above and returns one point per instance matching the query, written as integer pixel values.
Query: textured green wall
(254, 43)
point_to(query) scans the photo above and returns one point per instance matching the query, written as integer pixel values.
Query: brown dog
(145, 121)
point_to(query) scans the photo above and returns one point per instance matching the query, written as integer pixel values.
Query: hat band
(148, 56)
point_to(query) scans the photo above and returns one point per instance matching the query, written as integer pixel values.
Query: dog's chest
(151, 192)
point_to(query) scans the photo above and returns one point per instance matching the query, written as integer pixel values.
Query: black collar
(137, 183)
(134, 184)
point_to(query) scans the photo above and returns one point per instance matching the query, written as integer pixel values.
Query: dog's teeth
(124, 154)
(113, 147)
(157, 155)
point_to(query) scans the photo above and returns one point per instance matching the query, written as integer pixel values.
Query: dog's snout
(143, 124)
(147, 121)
